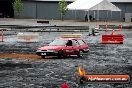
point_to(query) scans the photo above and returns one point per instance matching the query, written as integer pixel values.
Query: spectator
(90, 17)
(124, 19)
(93, 32)
(86, 17)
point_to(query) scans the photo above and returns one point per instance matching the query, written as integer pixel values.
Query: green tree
(63, 8)
(18, 6)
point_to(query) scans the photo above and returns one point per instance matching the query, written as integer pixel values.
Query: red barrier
(112, 39)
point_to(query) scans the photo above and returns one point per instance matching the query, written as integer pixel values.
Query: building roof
(54, 0)
(120, 0)
(75, 0)
(94, 5)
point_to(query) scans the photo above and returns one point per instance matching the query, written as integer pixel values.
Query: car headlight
(38, 50)
(86, 49)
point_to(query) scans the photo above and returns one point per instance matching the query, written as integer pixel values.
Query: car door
(83, 45)
(72, 49)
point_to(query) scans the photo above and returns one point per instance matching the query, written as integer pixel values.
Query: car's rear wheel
(60, 53)
(121, 42)
(80, 54)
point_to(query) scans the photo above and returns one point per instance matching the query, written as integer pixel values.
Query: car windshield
(58, 42)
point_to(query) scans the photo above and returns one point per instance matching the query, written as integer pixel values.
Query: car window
(81, 42)
(58, 42)
(75, 43)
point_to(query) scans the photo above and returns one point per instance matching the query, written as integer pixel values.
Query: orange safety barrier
(112, 39)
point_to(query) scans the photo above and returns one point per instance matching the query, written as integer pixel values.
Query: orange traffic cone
(120, 28)
(113, 32)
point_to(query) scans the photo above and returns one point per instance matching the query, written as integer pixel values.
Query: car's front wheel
(80, 54)
(60, 53)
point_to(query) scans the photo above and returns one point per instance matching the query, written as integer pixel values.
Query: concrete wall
(49, 10)
(125, 7)
(29, 10)
(128, 17)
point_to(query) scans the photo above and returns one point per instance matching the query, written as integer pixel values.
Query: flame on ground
(81, 71)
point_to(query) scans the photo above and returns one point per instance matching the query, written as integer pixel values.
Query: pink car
(63, 47)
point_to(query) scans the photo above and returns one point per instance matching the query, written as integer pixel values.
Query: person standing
(86, 17)
(90, 17)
